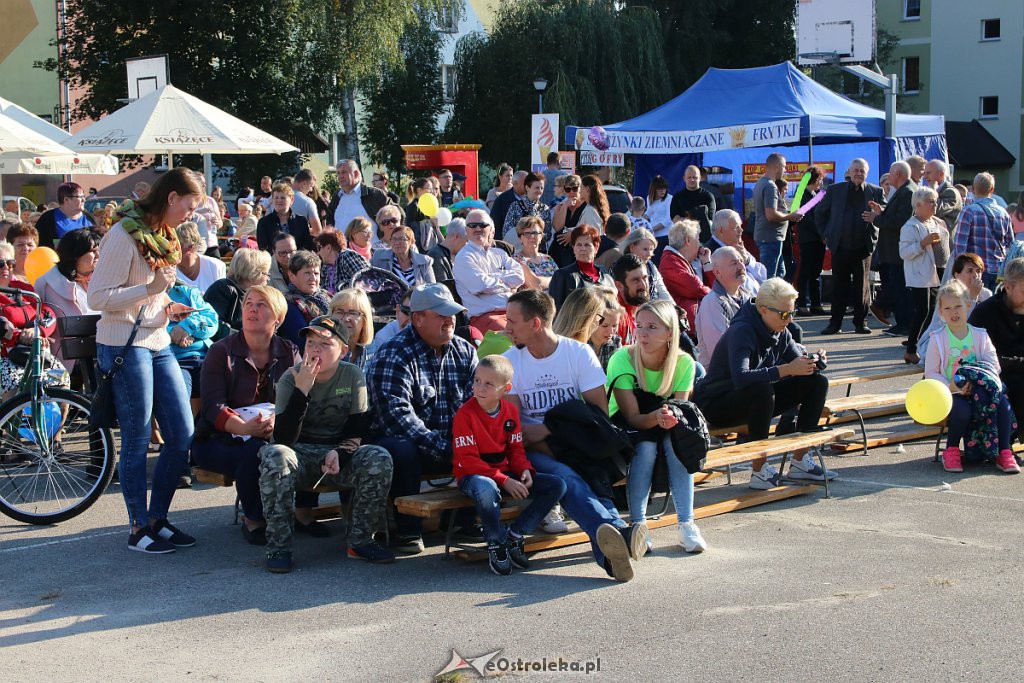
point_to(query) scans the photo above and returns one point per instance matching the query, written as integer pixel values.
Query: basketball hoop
(823, 57)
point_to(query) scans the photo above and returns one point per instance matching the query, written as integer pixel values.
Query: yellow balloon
(39, 260)
(929, 401)
(428, 205)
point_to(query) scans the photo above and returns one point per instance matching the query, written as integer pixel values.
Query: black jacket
(828, 216)
(583, 438)
(298, 227)
(373, 200)
(896, 214)
(442, 262)
(225, 296)
(1006, 330)
(697, 204)
(566, 280)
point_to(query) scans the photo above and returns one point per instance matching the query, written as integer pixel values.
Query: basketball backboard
(146, 75)
(835, 31)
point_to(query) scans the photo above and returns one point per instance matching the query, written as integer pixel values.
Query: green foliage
(604, 64)
(402, 107)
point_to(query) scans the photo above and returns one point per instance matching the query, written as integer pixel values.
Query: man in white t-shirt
(194, 269)
(302, 205)
(549, 370)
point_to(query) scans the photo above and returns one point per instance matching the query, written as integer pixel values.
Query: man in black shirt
(840, 220)
(693, 202)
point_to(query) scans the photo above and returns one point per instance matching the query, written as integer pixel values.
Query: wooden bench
(848, 382)
(858, 404)
(434, 502)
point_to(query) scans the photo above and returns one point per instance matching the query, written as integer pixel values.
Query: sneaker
(254, 536)
(554, 522)
(371, 552)
(767, 478)
(879, 314)
(830, 329)
(638, 538)
(690, 538)
(862, 329)
(315, 529)
(498, 559)
(517, 552)
(803, 310)
(173, 535)
(818, 310)
(184, 481)
(616, 552)
(1007, 463)
(279, 562)
(951, 460)
(146, 541)
(409, 545)
(807, 468)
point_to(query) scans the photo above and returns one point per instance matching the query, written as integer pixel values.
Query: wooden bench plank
(211, 477)
(752, 450)
(863, 401)
(892, 438)
(861, 379)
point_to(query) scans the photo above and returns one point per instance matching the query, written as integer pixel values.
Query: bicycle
(53, 464)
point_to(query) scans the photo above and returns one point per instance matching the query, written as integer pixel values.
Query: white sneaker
(690, 538)
(767, 478)
(807, 468)
(553, 522)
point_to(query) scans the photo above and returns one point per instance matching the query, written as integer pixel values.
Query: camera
(819, 361)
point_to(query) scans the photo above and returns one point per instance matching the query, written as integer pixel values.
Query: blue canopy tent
(735, 116)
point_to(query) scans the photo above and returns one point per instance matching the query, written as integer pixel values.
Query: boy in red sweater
(488, 448)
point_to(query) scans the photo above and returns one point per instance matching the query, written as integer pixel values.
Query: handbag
(646, 402)
(102, 414)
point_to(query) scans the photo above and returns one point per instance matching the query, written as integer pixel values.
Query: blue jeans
(547, 490)
(579, 500)
(190, 369)
(641, 471)
(771, 258)
(137, 402)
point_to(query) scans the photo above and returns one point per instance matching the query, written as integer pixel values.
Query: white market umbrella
(169, 121)
(65, 164)
(18, 141)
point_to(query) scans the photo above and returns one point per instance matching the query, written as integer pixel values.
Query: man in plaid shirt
(416, 381)
(984, 229)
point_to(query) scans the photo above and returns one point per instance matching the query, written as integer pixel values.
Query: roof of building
(971, 145)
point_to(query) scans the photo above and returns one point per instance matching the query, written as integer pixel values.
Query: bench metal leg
(821, 463)
(863, 433)
(938, 442)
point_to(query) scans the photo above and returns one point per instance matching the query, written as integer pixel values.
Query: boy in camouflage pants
(321, 417)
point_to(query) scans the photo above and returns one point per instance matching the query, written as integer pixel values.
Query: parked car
(24, 204)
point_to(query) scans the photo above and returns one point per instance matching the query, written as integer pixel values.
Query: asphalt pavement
(906, 573)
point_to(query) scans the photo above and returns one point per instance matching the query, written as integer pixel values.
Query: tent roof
(729, 97)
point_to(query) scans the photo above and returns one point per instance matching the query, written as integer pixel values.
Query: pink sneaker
(951, 460)
(1007, 463)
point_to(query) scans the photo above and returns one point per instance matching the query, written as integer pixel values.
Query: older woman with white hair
(758, 371)
(249, 268)
(642, 243)
(924, 248)
(686, 286)
(485, 276)
(195, 269)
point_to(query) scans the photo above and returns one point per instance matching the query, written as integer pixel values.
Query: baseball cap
(326, 326)
(436, 298)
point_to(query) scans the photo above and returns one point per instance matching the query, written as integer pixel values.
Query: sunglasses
(573, 188)
(785, 315)
(7, 263)
(532, 233)
(390, 221)
(476, 226)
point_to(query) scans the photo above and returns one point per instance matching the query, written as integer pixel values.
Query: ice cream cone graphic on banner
(545, 128)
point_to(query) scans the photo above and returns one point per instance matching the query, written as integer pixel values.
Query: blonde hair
(357, 299)
(248, 264)
(578, 313)
(498, 364)
(637, 236)
(273, 297)
(355, 224)
(665, 312)
(774, 291)
(188, 235)
(954, 289)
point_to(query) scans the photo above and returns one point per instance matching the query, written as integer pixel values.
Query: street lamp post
(540, 84)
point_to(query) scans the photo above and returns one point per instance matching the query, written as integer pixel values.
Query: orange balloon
(39, 260)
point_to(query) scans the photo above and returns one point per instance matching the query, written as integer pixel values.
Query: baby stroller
(384, 289)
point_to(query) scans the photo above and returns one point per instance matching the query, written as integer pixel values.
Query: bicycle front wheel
(53, 465)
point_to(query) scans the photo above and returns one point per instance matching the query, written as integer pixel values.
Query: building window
(448, 84)
(911, 9)
(911, 75)
(989, 107)
(990, 29)
(447, 21)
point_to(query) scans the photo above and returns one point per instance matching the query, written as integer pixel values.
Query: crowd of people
(279, 372)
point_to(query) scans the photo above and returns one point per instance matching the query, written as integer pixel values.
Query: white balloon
(444, 216)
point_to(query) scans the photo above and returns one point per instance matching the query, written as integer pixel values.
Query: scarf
(309, 305)
(158, 245)
(589, 270)
(366, 252)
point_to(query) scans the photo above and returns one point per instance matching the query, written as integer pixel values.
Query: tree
(604, 63)
(403, 106)
(281, 65)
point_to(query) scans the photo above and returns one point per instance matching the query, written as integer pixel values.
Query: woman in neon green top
(654, 364)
